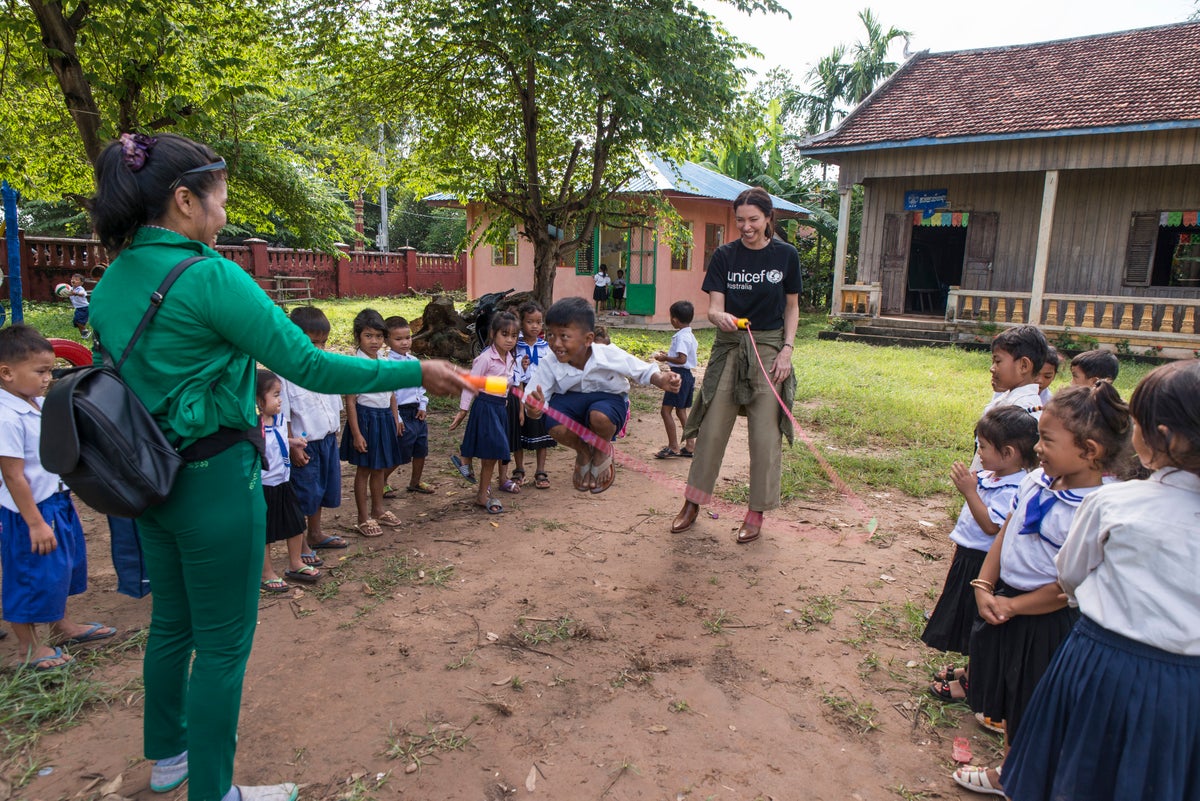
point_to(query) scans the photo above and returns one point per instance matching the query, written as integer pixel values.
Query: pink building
(656, 277)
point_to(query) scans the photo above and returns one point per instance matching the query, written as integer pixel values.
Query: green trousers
(765, 441)
(204, 556)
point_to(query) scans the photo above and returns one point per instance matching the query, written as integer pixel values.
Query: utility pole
(382, 239)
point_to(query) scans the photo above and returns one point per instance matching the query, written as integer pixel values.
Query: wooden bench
(285, 289)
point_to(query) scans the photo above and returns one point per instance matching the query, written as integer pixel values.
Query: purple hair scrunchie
(135, 149)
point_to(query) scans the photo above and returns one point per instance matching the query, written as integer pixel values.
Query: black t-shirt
(755, 282)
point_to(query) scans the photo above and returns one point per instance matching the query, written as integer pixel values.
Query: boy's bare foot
(46, 658)
(582, 478)
(65, 631)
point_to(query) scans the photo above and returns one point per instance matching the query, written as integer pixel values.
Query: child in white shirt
(682, 358)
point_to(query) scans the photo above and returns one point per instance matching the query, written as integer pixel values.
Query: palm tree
(870, 64)
(827, 88)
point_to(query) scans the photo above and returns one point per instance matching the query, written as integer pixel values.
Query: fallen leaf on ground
(531, 779)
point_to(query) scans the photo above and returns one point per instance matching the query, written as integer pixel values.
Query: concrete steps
(907, 332)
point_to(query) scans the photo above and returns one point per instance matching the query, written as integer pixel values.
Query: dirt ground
(573, 648)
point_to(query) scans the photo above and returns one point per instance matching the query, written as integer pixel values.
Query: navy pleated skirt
(486, 436)
(378, 428)
(1111, 719)
(949, 627)
(1008, 660)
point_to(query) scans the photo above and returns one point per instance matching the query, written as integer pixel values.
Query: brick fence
(46, 261)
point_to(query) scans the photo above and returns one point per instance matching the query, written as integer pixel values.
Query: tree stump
(441, 333)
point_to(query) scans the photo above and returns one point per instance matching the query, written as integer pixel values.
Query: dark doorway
(935, 264)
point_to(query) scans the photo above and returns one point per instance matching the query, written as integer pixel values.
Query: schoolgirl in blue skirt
(1083, 432)
(1117, 714)
(370, 441)
(488, 436)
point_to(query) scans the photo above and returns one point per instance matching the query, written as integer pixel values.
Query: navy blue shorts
(414, 442)
(687, 384)
(81, 316)
(34, 587)
(579, 406)
(319, 483)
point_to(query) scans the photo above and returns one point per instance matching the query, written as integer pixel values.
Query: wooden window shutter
(1139, 255)
(982, 231)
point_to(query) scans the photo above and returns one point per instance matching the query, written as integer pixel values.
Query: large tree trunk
(59, 34)
(545, 260)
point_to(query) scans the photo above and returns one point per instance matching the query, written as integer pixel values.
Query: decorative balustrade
(980, 306)
(860, 300)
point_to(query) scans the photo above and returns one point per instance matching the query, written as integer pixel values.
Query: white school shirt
(79, 298)
(1130, 560)
(407, 396)
(1027, 560)
(684, 341)
(997, 494)
(536, 352)
(608, 369)
(1044, 396)
(279, 465)
(312, 415)
(20, 433)
(601, 279)
(373, 400)
(1027, 396)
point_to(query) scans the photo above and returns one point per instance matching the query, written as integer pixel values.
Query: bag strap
(156, 299)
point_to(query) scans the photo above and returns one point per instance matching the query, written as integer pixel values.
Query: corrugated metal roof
(685, 178)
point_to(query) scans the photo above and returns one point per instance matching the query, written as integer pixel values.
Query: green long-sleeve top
(194, 365)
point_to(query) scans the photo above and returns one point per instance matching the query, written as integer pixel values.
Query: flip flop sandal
(331, 542)
(667, 453)
(976, 780)
(995, 726)
(423, 488)
(311, 559)
(389, 491)
(462, 469)
(492, 507)
(518, 476)
(306, 574)
(39, 665)
(369, 529)
(603, 474)
(961, 752)
(541, 480)
(686, 454)
(275, 585)
(96, 631)
(581, 477)
(511, 487)
(949, 672)
(388, 519)
(941, 690)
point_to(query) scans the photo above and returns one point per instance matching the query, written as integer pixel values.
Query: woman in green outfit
(159, 201)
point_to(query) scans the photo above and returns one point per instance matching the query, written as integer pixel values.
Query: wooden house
(1056, 184)
(656, 276)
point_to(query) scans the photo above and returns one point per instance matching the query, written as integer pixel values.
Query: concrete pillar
(1041, 259)
(843, 239)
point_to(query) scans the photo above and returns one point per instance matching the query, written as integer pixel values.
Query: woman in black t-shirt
(756, 277)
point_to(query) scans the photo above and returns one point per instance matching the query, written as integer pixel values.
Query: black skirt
(514, 422)
(1008, 660)
(284, 518)
(949, 627)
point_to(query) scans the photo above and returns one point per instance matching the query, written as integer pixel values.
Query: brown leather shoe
(749, 532)
(686, 517)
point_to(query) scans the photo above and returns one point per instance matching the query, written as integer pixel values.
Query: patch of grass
(910, 795)
(378, 575)
(517, 685)
(561, 629)
(905, 622)
(716, 624)
(415, 748)
(363, 789)
(639, 678)
(859, 717)
(679, 706)
(466, 660)
(818, 610)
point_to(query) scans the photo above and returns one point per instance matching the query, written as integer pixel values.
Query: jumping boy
(589, 384)
(42, 552)
(682, 358)
(411, 404)
(316, 467)
(79, 301)
(1090, 365)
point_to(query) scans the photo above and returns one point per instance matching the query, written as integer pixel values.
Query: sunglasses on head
(219, 164)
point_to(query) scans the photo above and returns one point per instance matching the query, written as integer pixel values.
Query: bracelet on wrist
(983, 584)
(788, 345)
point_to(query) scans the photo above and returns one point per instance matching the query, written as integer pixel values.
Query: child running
(370, 441)
(315, 418)
(532, 350)
(1024, 615)
(487, 433)
(682, 358)
(80, 304)
(285, 521)
(588, 383)
(1006, 436)
(411, 405)
(1116, 713)
(43, 558)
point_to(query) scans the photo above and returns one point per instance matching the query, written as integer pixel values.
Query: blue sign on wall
(926, 201)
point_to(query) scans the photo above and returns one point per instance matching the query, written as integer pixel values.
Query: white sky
(816, 27)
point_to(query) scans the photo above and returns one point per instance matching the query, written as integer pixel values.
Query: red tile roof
(1113, 80)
